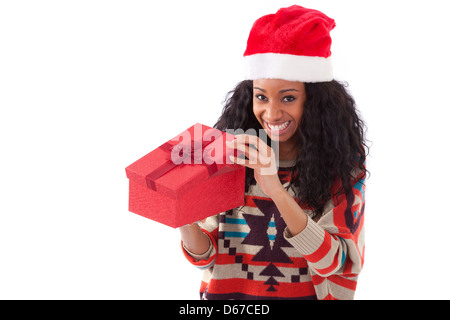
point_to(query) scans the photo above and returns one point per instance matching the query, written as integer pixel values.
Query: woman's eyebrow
(286, 90)
(280, 92)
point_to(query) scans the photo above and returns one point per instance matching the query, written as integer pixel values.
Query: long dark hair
(331, 135)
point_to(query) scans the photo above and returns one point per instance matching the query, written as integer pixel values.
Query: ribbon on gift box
(192, 153)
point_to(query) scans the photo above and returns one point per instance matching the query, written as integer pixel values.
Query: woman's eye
(288, 99)
(261, 97)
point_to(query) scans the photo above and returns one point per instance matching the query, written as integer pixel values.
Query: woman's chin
(276, 137)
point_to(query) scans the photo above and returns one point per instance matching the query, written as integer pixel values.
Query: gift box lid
(196, 154)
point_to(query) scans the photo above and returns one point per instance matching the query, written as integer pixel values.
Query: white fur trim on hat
(288, 67)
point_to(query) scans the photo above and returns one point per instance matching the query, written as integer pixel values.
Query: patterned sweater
(253, 256)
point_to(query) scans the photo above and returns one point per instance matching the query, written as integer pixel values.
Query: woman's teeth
(278, 127)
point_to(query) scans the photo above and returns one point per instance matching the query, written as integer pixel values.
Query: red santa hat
(292, 44)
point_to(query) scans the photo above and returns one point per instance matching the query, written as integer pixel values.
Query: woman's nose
(273, 112)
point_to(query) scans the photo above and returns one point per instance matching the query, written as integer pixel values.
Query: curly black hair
(331, 135)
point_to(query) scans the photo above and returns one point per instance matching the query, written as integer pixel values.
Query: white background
(88, 87)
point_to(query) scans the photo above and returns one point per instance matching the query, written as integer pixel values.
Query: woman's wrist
(293, 215)
(194, 239)
(279, 193)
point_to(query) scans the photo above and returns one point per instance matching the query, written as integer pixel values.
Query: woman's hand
(261, 158)
(194, 239)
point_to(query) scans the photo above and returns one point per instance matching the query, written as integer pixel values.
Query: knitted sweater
(253, 256)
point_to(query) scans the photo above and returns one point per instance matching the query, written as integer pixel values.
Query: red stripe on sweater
(343, 282)
(258, 288)
(317, 279)
(330, 297)
(348, 266)
(203, 286)
(332, 267)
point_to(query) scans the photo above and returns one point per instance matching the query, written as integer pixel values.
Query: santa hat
(292, 44)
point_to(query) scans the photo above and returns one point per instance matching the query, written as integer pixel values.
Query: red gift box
(186, 179)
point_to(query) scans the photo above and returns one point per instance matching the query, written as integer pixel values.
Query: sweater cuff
(206, 260)
(203, 256)
(309, 241)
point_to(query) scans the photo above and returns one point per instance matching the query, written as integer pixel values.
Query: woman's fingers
(248, 151)
(251, 154)
(244, 162)
(257, 152)
(254, 141)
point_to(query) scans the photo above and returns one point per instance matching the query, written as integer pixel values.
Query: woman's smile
(279, 128)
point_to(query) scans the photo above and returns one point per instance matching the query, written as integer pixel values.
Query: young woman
(300, 234)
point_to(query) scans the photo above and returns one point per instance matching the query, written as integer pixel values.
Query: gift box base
(202, 201)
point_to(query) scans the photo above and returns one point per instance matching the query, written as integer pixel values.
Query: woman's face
(278, 106)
